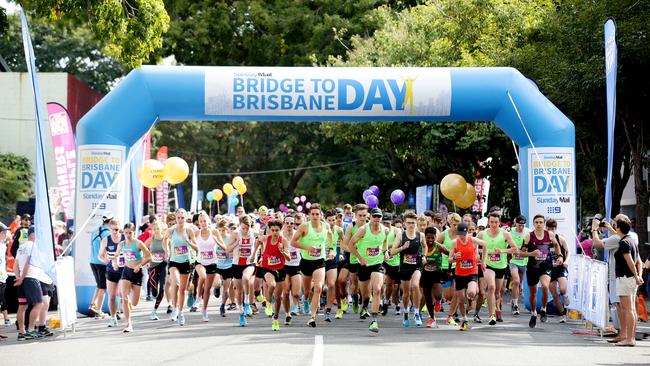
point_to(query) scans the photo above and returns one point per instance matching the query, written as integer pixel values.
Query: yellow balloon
(453, 186)
(237, 181)
(176, 170)
(151, 173)
(217, 194)
(467, 200)
(228, 189)
(241, 189)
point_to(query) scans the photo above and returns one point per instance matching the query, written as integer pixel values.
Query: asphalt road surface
(344, 342)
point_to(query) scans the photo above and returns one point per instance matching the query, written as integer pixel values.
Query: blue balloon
(234, 201)
(210, 196)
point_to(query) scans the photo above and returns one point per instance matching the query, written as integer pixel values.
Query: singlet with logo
(467, 263)
(272, 257)
(394, 259)
(518, 238)
(353, 258)
(157, 251)
(207, 249)
(131, 251)
(544, 245)
(371, 244)
(294, 253)
(493, 259)
(411, 256)
(434, 260)
(244, 249)
(180, 246)
(224, 261)
(447, 244)
(316, 240)
(111, 248)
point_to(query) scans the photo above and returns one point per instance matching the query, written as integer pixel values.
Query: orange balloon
(467, 200)
(453, 186)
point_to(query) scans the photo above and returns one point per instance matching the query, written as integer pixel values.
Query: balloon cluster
(234, 189)
(371, 196)
(152, 172)
(301, 204)
(455, 188)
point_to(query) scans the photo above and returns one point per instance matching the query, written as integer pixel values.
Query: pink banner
(162, 191)
(64, 156)
(478, 203)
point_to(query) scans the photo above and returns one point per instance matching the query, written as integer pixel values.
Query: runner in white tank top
(207, 240)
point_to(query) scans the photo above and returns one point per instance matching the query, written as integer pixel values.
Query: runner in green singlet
(445, 238)
(518, 263)
(331, 265)
(360, 219)
(391, 266)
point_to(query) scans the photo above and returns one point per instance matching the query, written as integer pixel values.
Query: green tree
(129, 30)
(61, 48)
(16, 178)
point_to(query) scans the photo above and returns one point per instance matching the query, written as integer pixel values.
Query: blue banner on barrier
(611, 64)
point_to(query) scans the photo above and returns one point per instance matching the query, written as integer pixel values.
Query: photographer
(586, 243)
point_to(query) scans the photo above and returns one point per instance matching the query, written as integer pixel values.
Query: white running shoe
(181, 319)
(128, 328)
(154, 315)
(174, 316)
(204, 315)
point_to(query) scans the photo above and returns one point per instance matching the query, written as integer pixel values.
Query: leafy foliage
(16, 179)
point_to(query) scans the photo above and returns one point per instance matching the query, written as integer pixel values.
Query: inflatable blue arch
(544, 135)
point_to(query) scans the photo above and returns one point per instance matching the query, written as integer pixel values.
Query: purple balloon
(397, 197)
(374, 190)
(296, 200)
(308, 205)
(372, 201)
(282, 207)
(299, 208)
(366, 193)
(303, 198)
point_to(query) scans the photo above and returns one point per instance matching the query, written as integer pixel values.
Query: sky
(11, 7)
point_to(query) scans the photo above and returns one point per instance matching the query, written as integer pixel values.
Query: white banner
(588, 289)
(65, 291)
(551, 177)
(327, 91)
(99, 166)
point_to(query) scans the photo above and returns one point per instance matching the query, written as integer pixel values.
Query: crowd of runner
(341, 262)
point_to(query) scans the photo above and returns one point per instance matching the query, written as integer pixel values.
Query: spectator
(586, 245)
(4, 238)
(29, 287)
(21, 234)
(14, 225)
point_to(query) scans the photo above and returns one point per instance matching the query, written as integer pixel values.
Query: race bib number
(294, 255)
(315, 252)
(120, 261)
(543, 255)
(466, 264)
(182, 250)
(222, 256)
(372, 252)
(244, 252)
(274, 261)
(158, 257)
(410, 258)
(517, 257)
(430, 267)
(494, 257)
(129, 256)
(207, 255)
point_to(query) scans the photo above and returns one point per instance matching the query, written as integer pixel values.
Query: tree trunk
(638, 152)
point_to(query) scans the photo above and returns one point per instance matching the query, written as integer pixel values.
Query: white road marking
(317, 360)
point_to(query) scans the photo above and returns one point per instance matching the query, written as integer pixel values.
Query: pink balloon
(299, 208)
(308, 205)
(303, 198)
(296, 200)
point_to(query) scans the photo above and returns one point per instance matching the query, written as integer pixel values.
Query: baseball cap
(339, 211)
(462, 228)
(521, 219)
(388, 217)
(107, 216)
(376, 212)
(26, 217)
(483, 221)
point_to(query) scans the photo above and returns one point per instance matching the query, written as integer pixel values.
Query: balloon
(397, 197)
(210, 196)
(296, 200)
(234, 201)
(303, 198)
(299, 208)
(218, 195)
(228, 189)
(467, 200)
(372, 201)
(241, 189)
(308, 205)
(176, 170)
(367, 193)
(453, 186)
(374, 190)
(282, 207)
(236, 181)
(263, 210)
(151, 173)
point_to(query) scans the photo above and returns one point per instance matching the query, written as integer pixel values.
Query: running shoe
(542, 316)
(190, 301)
(493, 320)
(7, 321)
(432, 323)
(384, 309)
(276, 325)
(181, 319)
(339, 314)
(287, 320)
(31, 335)
(563, 319)
(312, 322)
(193, 309)
(222, 310)
(169, 309)
(533, 321)
(451, 321)
(174, 316)
(374, 327)
(44, 332)
(456, 318)
(217, 292)
(397, 311)
(154, 315)
(364, 314)
(424, 309)
(437, 307)
(149, 298)
(242, 320)
(328, 317)
(405, 321)
(512, 306)
(344, 305)
(464, 325)
(117, 315)
(112, 322)
(418, 320)
(204, 315)
(477, 319)
(355, 306)
(21, 337)
(247, 310)
(268, 311)
(499, 317)
(306, 307)
(254, 309)
(128, 328)
(515, 310)
(260, 298)
(232, 306)
(295, 310)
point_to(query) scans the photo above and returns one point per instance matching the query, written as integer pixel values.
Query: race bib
(517, 257)
(274, 260)
(294, 255)
(207, 255)
(222, 256)
(120, 261)
(466, 264)
(372, 252)
(158, 257)
(430, 267)
(129, 256)
(410, 258)
(543, 255)
(244, 252)
(182, 250)
(315, 252)
(494, 257)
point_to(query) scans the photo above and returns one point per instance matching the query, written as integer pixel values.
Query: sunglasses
(377, 216)
(116, 230)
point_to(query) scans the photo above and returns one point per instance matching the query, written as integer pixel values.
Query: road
(343, 342)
